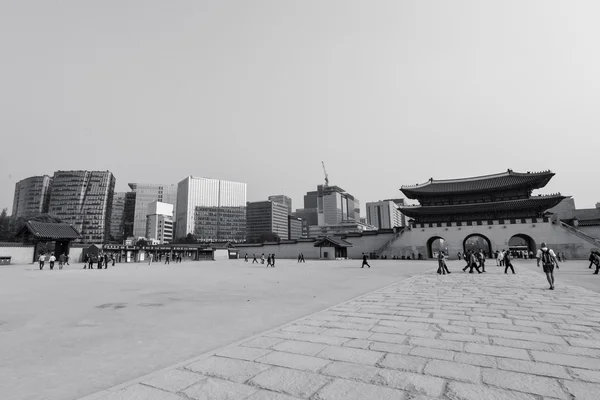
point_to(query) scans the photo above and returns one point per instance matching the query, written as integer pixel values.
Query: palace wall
(19, 253)
(367, 244)
(416, 239)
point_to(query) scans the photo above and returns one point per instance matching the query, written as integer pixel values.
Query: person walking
(91, 261)
(299, 257)
(472, 262)
(273, 260)
(167, 260)
(459, 256)
(246, 258)
(254, 260)
(501, 258)
(302, 257)
(100, 261)
(364, 261)
(481, 259)
(268, 261)
(61, 261)
(508, 263)
(113, 259)
(592, 258)
(67, 258)
(597, 262)
(262, 258)
(42, 260)
(52, 260)
(467, 258)
(442, 267)
(548, 259)
(86, 260)
(150, 257)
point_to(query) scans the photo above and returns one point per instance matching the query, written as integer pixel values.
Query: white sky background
(385, 92)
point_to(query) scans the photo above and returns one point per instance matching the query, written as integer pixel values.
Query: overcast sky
(385, 92)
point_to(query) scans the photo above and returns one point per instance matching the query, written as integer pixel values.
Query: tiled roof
(540, 203)
(505, 180)
(51, 230)
(335, 241)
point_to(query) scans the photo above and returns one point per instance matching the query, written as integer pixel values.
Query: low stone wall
(19, 253)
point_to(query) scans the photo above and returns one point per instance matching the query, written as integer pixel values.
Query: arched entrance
(521, 241)
(436, 244)
(478, 242)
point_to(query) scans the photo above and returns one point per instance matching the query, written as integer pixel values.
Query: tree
(5, 226)
(189, 239)
(269, 237)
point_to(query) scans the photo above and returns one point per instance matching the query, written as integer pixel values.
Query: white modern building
(146, 193)
(159, 222)
(211, 209)
(384, 214)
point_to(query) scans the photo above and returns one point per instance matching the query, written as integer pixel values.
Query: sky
(386, 93)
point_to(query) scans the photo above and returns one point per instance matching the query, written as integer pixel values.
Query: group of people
(270, 259)
(62, 260)
(545, 256)
(101, 259)
(177, 258)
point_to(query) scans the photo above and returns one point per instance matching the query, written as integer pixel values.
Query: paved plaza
(231, 330)
(460, 336)
(68, 333)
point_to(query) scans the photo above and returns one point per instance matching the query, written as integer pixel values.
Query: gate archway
(476, 242)
(436, 244)
(521, 241)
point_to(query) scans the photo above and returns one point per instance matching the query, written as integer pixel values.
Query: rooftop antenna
(326, 176)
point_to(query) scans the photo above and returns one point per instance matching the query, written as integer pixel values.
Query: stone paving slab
(459, 337)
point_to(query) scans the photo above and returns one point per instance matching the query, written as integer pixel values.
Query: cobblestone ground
(460, 336)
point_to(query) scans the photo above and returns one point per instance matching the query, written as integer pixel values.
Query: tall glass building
(84, 200)
(264, 217)
(32, 196)
(116, 216)
(335, 205)
(146, 193)
(128, 214)
(211, 209)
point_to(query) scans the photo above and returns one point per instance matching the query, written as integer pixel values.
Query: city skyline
(262, 92)
(120, 186)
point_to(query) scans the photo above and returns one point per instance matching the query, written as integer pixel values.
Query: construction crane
(326, 176)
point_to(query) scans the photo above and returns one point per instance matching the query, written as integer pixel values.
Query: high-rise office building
(266, 217)
(211, 209)
(335, 205)
(32, 196)
(384, 214)
(128, 215)
(282, 199)
(159, 222)
(295, 228)
(84, 200)
(116, 216)
(146, 193)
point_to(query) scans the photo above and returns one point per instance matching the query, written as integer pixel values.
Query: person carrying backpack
(547, 257)
(596, 261)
